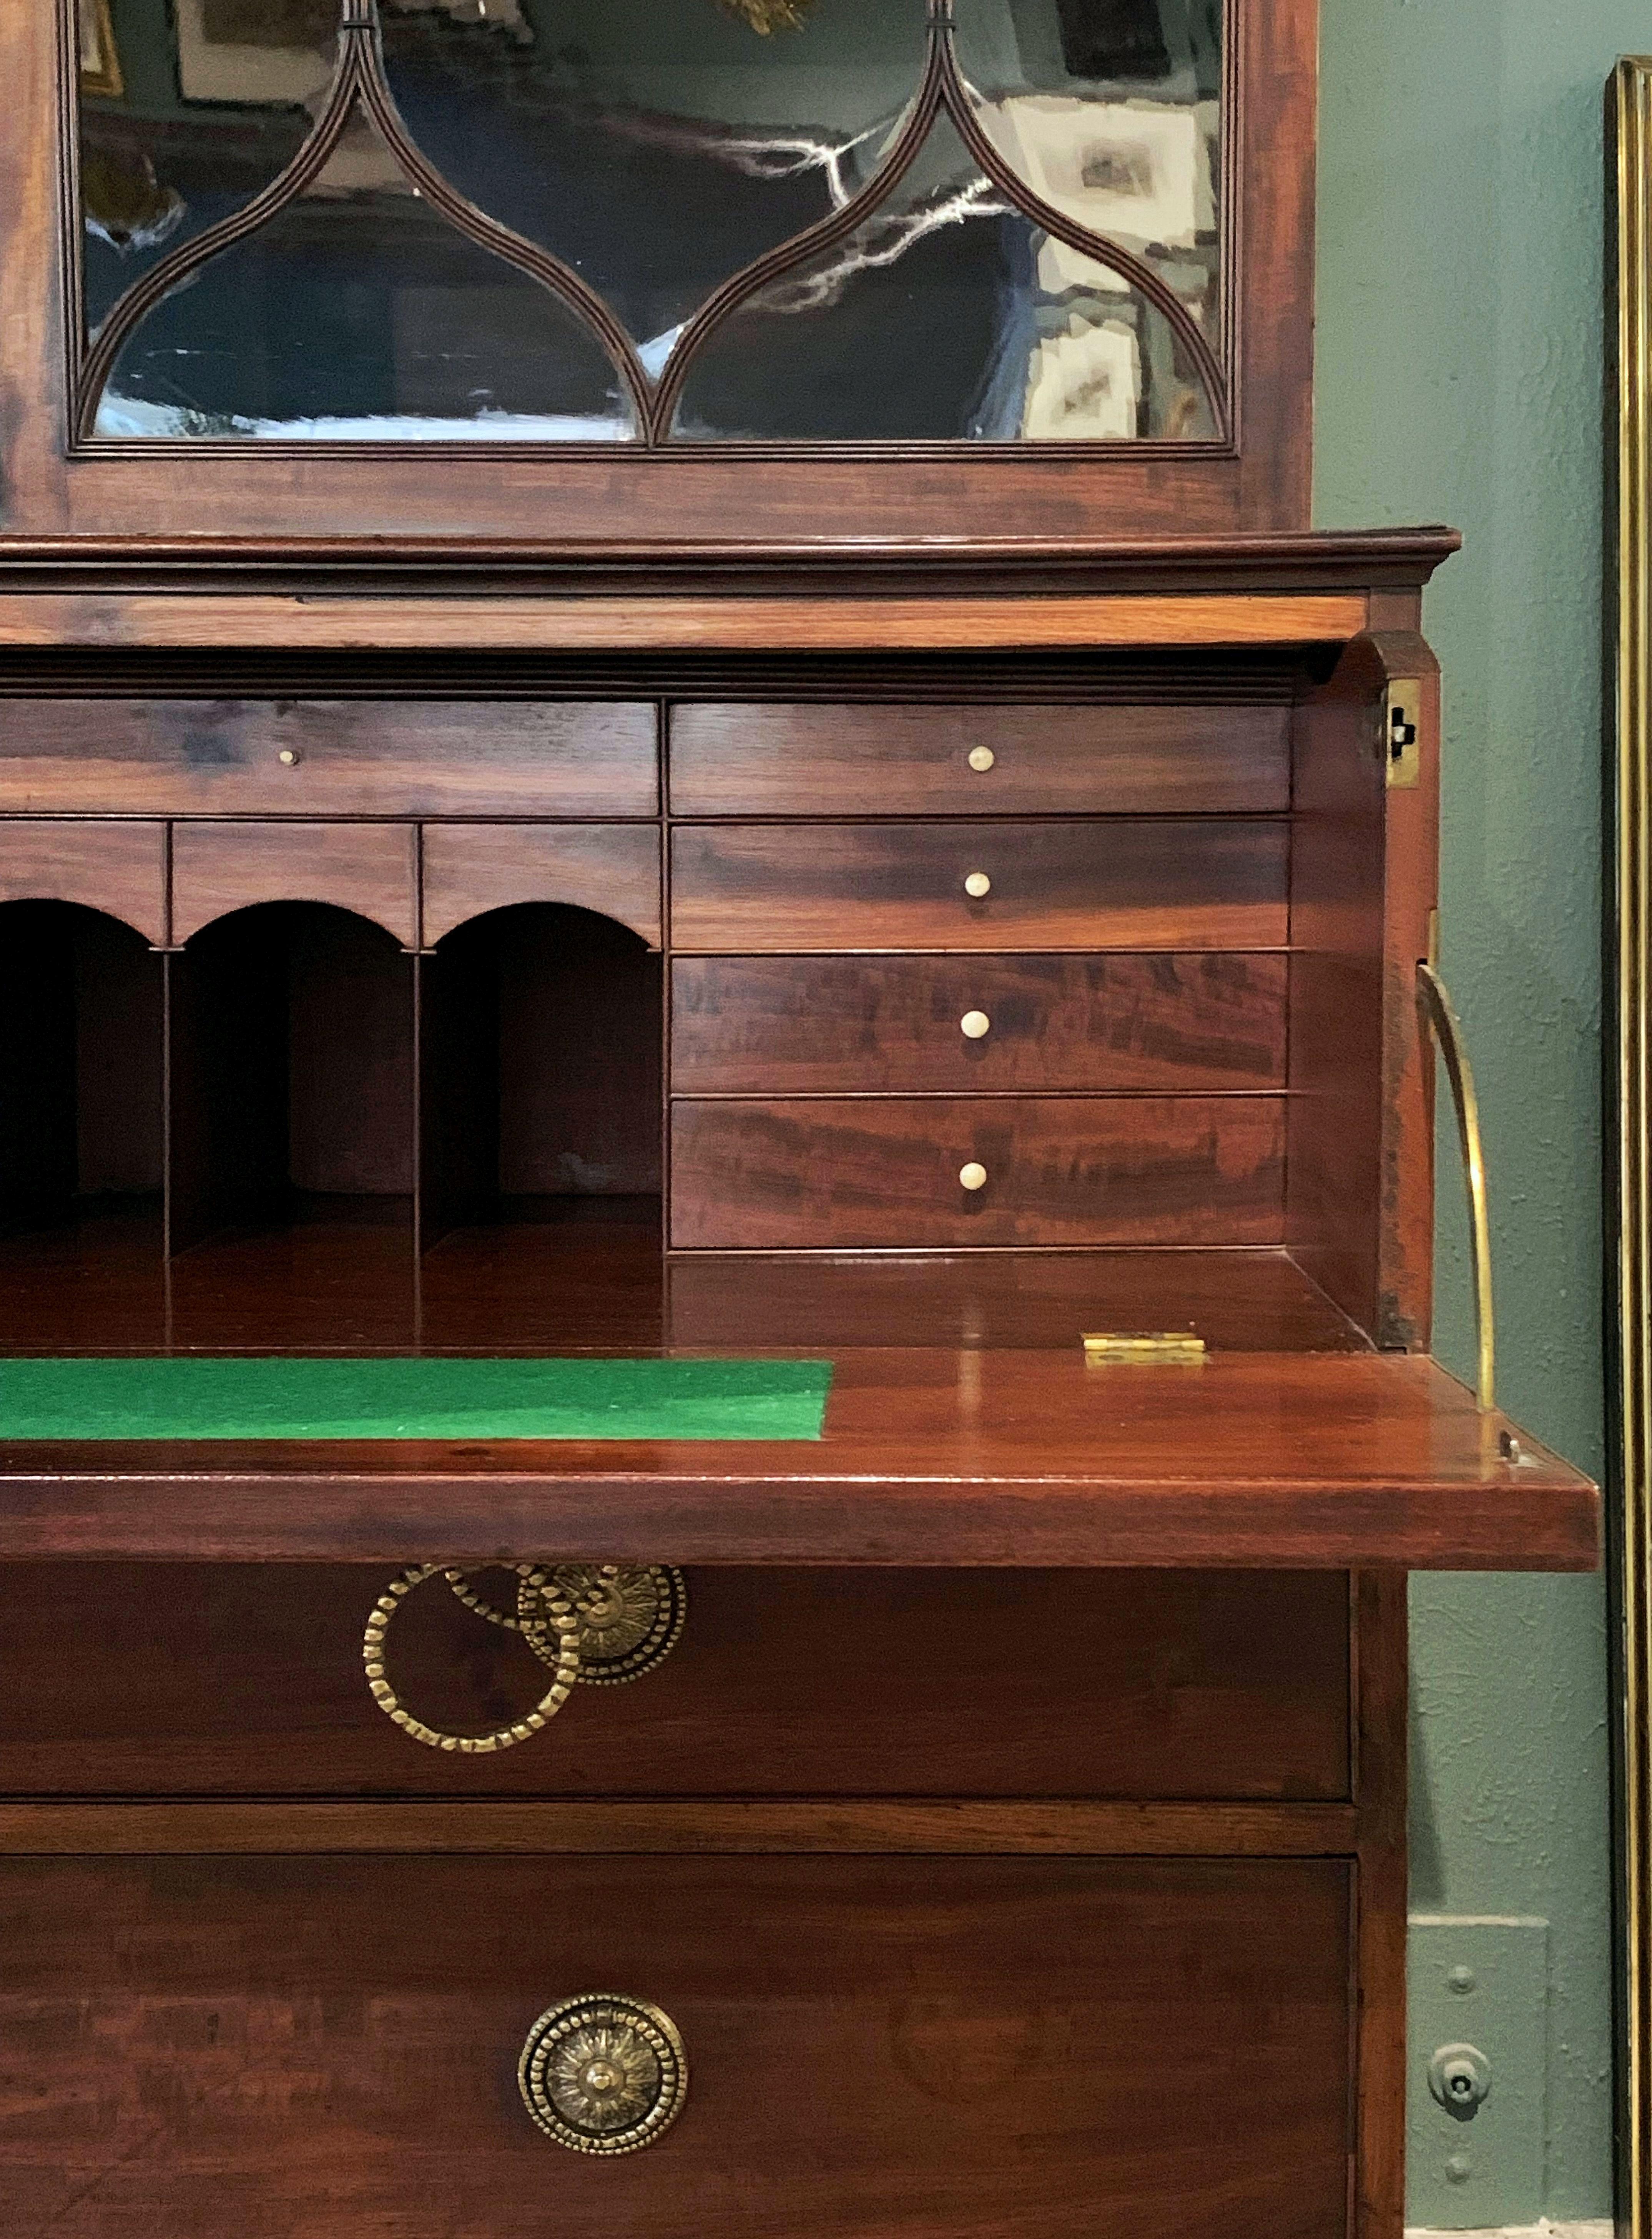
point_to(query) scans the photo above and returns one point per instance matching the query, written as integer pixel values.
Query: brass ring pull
(562, 1655)
(1438, 1013)
(630, 1616)
(603, 2075)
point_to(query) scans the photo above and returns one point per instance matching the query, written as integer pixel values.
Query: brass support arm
(1435, 1005)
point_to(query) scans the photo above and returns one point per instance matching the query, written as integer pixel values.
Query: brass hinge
(1104, 1348)
(1400, 750)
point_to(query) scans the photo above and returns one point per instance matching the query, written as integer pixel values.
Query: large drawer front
(295, 2047)
(1170, 882)
(235, 1679)
(811, 760)
(988, 1025)
(329, 758)
(889, 1173)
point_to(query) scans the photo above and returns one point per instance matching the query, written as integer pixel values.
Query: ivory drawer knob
(288, 757)
(977, 886)
(973, 1177)
(974, 1025)
(981, 758)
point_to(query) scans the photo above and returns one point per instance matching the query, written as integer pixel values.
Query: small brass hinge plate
(1104, 1348)
(1403, 716)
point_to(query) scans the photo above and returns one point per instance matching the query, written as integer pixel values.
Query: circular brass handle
(974, 1025)
(981, 758)
(974, 1176)
(977, 886)
(562, 1654)
(630, 1616)
(604, 2074)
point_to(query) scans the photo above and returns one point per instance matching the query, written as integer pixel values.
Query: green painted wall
(1461, 348)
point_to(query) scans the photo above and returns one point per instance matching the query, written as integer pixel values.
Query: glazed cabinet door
(290, 2047)
(674, 274)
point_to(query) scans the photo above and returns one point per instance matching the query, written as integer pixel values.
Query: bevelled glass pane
(1111, 111)
(358, 312)
(656, 146)
(187, 111)
(947, 315)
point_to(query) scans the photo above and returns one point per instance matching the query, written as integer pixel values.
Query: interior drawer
(909, 1173)
(291, 2048)
(811, 760)
(820, 1025)
(329, 758)
(235, 1679)
(1170, 882)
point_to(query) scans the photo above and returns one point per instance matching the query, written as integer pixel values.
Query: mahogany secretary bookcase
(668, 710)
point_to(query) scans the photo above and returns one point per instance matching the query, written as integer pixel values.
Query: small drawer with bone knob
(893, 1173)
(922, 1025)
(1101, 882)
(1124, 759)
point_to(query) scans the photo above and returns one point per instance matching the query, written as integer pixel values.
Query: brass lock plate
(1401, 734)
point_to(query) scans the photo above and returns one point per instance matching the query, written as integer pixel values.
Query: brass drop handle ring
(1440, 1016)
(604, 2074)
(562, 1653)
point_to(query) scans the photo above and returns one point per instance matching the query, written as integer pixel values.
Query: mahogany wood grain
(1386, 564)
(1279, 1461)
(1238, 1300)
(238, 1679)
(317, 2043)
(1335, 1182)
(471, 868)
(1164, 883)
(820, 1025)
(93, 1280)
(845, 1827)
(1382, 1736)
(763, 625)
(220, 757)
(814, 760)
(883, 1172)
(116, 867)
(369, 868)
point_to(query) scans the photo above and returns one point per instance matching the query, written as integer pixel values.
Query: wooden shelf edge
(868, 1827)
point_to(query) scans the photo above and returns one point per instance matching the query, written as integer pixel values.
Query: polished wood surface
(811, 760)
(471, 868)
(116, 867)
(343, 2033)
(219, 757)
(886, 1172)
(1080, 884)
(369, 868)
(844, 1827)
(853, 1024)
(1270, 1460)
(1237, 1301)
(244, 1679)
(754, 624)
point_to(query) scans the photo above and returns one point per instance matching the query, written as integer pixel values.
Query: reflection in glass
(946, 316)
(358, 311)
(215, 98)
(1111, 112)
(656, 146)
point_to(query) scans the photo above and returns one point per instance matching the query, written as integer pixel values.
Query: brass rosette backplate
(604, 2074)
(630, 1616)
